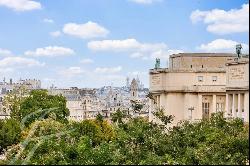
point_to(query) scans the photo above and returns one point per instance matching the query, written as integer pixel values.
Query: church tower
(134, 90)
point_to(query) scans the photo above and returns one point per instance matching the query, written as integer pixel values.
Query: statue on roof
(157, 63)
(238, 50)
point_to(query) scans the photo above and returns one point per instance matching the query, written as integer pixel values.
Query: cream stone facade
(237, 89)
(192, 88)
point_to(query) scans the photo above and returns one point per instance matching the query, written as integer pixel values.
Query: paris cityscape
(140, 82)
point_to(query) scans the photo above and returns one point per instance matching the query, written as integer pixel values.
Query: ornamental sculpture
(157, 63)
(238, 50)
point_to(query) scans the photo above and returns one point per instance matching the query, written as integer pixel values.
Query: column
(214, 104)
(233, 107)
(227, 106)
(239, 106)
(199, 111)
(246, 107)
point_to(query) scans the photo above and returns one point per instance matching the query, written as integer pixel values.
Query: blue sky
(91, 43)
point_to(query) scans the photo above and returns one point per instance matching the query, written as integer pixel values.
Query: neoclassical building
(237, 88)
(193, 87)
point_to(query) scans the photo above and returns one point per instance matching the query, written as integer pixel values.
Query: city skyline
(71, 44)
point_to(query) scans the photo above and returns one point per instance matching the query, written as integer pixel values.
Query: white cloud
(224, 22)
(56, 33)
(102, 70)
(124, 45)
(164, 54)
(50, 51)
(137, 73)
(4, 52)
(137, 55)
(19, 62)
(135, 49)
(145, 1)
(85, 31)
(222, 45)
(86, 61)
(72, 72)
(21, 5)
(6, 70)
(47, 20)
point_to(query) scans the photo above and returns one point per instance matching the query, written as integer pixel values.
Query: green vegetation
(53, 140)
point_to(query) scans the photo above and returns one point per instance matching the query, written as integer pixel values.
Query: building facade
(237, 88)
(7, 87)
(192, 88)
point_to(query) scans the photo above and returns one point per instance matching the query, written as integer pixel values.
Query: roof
(203, 55)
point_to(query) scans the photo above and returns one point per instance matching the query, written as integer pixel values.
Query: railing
(192, 88)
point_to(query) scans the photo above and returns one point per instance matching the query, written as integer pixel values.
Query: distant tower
(127, 82)
(134, 89)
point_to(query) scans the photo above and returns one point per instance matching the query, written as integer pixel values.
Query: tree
(118, 117)
(9, 133)
(39, 104)
(13, 100)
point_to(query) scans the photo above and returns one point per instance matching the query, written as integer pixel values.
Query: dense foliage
(130, 141)
(26, 109)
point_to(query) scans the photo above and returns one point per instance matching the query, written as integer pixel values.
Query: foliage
(165, 119)
(13, 100)
(39, 104)
(136, 106)
(9, 133)
(133, 141)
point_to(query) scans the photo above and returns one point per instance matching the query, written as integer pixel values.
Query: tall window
(219, 107)
(205, 110)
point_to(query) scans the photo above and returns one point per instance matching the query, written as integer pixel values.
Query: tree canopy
(49, 140)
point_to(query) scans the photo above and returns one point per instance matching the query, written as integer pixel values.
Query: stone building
(7, 87)
(193, 87)
(237, 88)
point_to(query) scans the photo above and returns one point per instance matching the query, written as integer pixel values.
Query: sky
(94, 43)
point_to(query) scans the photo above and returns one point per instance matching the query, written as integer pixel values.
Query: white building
(192, 88)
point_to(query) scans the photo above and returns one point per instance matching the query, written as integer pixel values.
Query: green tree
(9, 133)
(13, 100)
(40, 105)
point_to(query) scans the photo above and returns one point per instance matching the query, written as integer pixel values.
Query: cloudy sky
(91, 43)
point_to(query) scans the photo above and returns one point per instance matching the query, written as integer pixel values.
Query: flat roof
(203, 55)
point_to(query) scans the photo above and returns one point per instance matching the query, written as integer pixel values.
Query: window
(200, 78)
(191, 66)
(242, 110)
(205, 110)
(202, 66)
(214, 78)
(219, 107)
